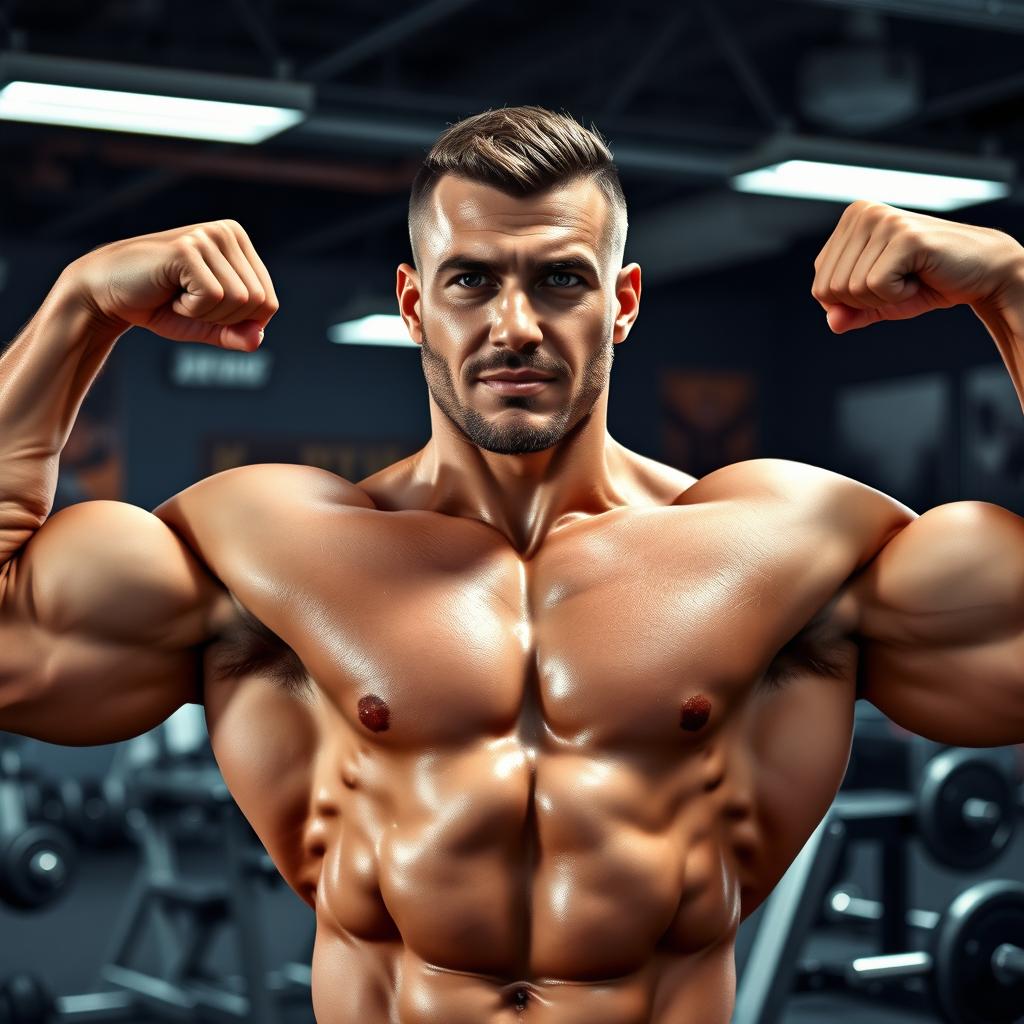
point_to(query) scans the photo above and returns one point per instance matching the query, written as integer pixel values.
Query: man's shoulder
(268, 486)
(257, 512)
(246, 525)
(787, 480)
(825, 504)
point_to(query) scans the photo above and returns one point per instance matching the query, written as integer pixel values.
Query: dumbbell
(37, 860)
(25, 999)
(975, 963)
(967, 809)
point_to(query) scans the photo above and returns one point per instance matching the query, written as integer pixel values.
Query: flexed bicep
(941, 625)
(102, 615)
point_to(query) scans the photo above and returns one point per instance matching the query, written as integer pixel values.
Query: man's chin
(511, 439)
(526, 447)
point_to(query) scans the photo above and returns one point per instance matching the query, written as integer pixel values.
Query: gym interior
(131, 887)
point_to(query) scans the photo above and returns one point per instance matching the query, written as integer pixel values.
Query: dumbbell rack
(773, 970)
(160, 895)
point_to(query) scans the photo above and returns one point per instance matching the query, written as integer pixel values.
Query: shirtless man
(531, 721)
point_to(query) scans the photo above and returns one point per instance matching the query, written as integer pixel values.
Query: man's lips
(516, 382)
(517, 387)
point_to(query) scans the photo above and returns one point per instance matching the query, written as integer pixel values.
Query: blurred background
(741, 128)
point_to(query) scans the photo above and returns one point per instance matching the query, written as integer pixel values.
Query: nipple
(695, 713)
(374, 713)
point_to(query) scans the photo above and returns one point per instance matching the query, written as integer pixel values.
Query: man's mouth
(517, 387)
(516, 382)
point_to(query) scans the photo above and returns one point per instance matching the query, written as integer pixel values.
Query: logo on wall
(709, 419)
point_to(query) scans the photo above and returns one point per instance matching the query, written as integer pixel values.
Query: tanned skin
(532, 733)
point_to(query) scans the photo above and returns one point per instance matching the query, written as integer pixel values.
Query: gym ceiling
(682, 90)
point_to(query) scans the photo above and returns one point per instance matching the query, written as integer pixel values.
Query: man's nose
(515, 323)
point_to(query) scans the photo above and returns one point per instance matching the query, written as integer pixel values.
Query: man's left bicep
(941, 625)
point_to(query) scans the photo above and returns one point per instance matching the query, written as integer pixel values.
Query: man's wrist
(72, 304)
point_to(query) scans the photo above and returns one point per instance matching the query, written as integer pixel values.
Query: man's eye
(471, 280)
(563, 279)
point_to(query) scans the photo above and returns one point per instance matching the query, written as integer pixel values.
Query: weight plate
(976, 923)
(950, 780)
(36, 866)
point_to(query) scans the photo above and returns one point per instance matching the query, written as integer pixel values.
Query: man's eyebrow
(469, 265)
(464, 263)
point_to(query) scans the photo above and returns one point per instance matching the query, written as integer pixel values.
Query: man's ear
(407, 289)
(627, 299)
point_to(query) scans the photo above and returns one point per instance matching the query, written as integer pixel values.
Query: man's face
(510, 287)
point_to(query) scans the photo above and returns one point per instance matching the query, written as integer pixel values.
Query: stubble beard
(518, 437)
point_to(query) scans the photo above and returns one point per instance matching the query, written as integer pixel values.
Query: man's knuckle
(186, 247)
(875, 282)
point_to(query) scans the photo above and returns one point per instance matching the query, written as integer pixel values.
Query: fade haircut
(522, 151)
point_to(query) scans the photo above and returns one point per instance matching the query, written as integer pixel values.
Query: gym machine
(965, 811)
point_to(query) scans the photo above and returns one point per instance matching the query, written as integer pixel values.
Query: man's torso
(560, 781)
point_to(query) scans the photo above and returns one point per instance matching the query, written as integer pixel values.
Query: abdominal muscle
(486, 884)
(477, 886)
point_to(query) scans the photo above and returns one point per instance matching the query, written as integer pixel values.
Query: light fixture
(375, 329)
(842, 171)
(151, 101)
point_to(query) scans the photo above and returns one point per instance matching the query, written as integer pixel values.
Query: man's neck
(524, 497)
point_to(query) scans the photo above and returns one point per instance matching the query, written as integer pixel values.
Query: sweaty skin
(546, 753)
(544, 788)
(531, 733)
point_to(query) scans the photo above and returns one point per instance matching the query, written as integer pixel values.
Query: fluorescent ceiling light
(376, 329)
(813, 179)
(138, 112)
(841, 171)
(125, 98)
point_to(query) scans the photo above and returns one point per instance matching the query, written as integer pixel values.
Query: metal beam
(383, 38)
(742, 66)
(966, 99)
(259, 31)
(995, 15)
(647, 62)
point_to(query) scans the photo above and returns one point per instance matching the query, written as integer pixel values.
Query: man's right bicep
(102, 616)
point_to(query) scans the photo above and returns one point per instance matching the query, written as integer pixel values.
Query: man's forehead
(462, 213)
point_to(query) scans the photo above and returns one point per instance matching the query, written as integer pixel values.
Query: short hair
(522, 151)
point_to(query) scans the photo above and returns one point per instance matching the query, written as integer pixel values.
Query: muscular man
(531, 721)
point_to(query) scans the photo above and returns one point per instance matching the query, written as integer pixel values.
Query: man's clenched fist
(203, 283)
(883, 263)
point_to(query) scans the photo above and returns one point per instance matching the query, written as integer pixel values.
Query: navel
(374, 713)
(520, 997)
(695, 713)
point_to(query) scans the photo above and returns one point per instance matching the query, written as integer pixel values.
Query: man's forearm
(1004, 321)
(45, 374)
